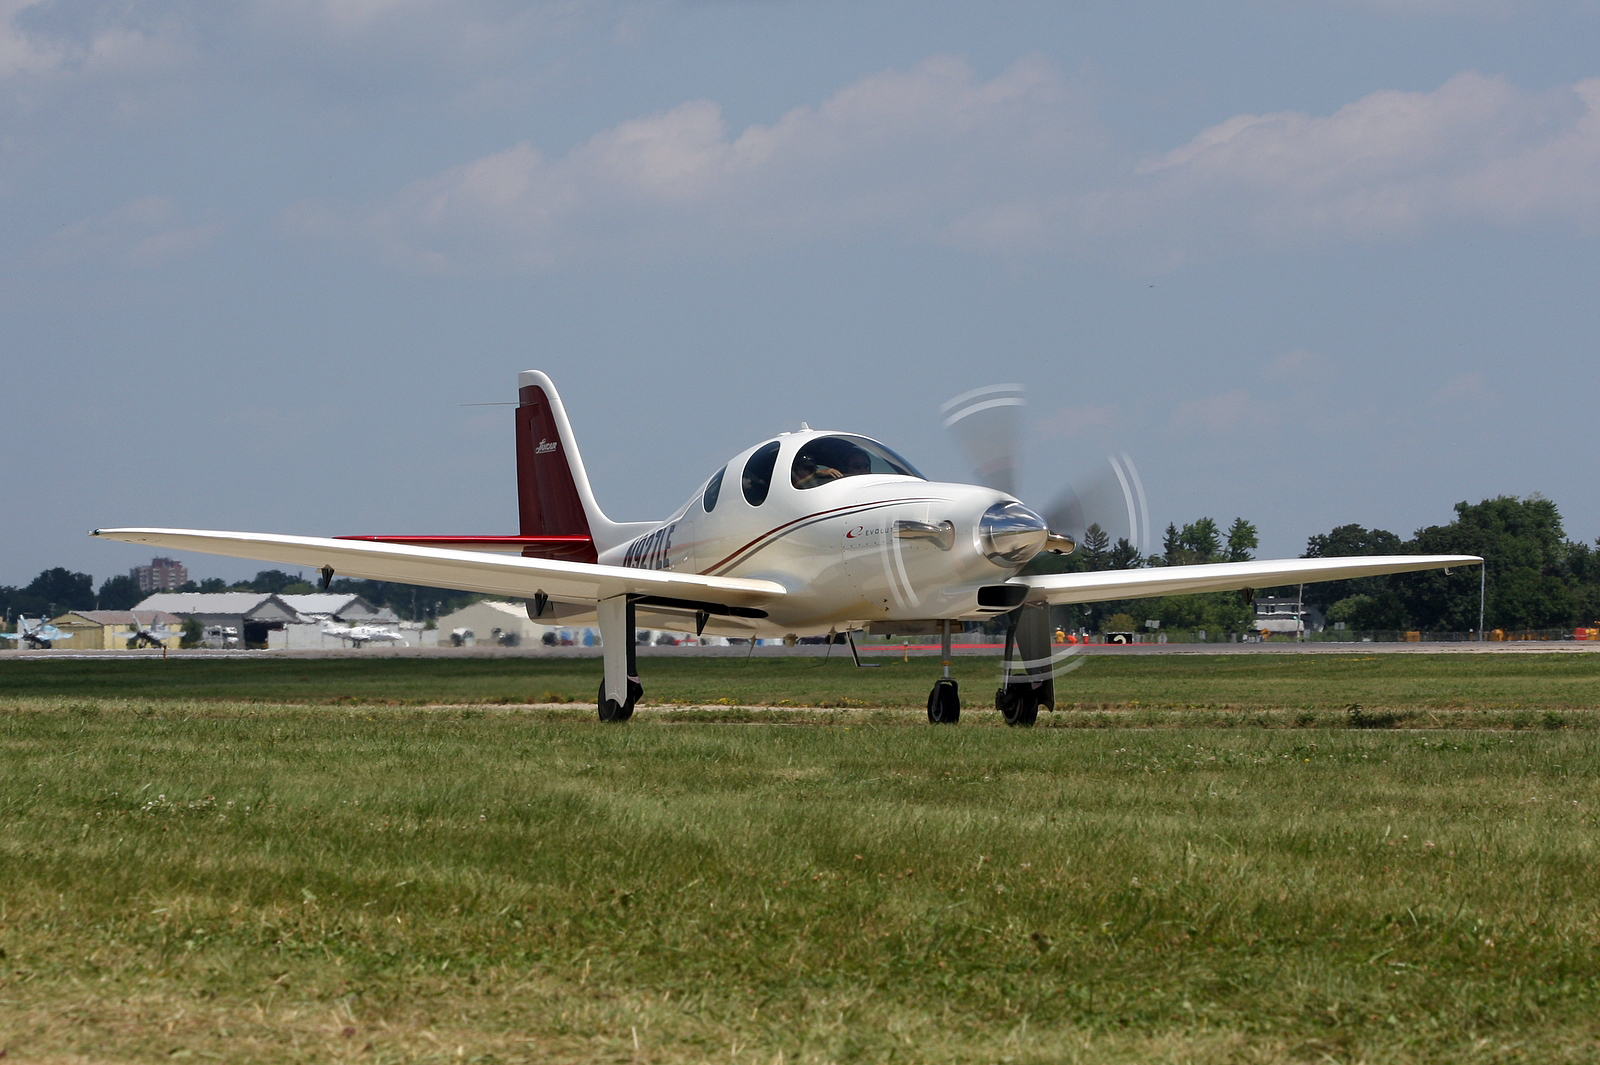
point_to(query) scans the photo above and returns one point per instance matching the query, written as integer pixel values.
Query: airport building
(231, 619)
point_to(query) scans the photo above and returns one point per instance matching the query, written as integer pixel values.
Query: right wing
(470, 571)
(1103, 585)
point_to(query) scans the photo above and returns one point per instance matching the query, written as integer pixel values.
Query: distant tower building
(161, 575)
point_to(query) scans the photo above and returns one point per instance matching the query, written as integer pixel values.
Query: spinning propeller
(1105, 510)
(985, 422)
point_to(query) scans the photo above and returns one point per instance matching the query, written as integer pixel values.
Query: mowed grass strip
(402, 884)
(1430, 690)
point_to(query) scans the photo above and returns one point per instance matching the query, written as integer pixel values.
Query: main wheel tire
(611, 710)
(1018, 705)
(944, 703)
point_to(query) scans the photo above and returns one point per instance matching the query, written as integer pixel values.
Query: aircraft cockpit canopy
(832, 458)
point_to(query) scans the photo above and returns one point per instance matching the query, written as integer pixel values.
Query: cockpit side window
(757, 480)
(713, 489)
(832, 458)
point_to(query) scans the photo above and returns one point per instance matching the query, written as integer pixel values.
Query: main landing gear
(944, 702)
(1026, 684)
(616, 617)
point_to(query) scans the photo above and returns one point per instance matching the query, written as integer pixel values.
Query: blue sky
(1308, 262)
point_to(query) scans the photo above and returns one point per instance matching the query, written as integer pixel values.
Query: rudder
(553, 494)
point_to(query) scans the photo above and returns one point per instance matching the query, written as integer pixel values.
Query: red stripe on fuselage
(810, 519)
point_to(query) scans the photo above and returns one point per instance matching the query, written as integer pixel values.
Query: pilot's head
(857, 463)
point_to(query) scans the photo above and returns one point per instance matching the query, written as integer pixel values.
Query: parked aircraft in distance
(361, 635)
(35, 634)
(808, 533)
(155, 634)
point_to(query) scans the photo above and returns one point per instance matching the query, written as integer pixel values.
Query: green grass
(1431, 689)
(196, 877)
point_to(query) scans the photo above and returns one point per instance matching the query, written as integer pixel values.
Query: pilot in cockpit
(808, 473)
(822, 460)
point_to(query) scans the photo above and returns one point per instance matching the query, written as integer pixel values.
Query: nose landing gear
(944, 702)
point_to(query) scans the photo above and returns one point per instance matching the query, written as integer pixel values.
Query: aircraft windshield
(832, 458)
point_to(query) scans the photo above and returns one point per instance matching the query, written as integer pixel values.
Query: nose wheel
(944, 703)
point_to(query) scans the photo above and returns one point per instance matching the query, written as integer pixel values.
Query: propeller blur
(807, 533)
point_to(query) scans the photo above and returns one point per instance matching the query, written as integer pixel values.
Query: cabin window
(758, 473)
(833, 458)
(713, 489)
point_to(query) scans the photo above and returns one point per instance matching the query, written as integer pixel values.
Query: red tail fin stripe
(548, 500)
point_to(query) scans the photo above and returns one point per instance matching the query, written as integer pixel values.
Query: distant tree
(1201, 542)
(272, 581)
(411, 601)
(1121, 622)
(119, 593)
(1534, 577)
(1368, 613)
(212, 585)
(1096, 546)
(1347, 540)
(1526, 554)
(59, 590)
(1242, 541)
(193, 633)
(1342, 542)
(1124, 555)
(1171, 548)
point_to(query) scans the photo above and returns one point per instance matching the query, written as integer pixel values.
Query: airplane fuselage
(852, 550)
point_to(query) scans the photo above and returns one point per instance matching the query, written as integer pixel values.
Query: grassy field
(185, 874)
(1419, 690)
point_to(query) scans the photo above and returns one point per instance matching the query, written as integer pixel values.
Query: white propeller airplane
(361, 635)
(808, 533)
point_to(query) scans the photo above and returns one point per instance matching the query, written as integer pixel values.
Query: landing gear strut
(944, 702)
(1026, 681)
(616, 617)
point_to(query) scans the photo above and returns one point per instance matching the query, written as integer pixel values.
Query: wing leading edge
(471, 571)
(1103, 585)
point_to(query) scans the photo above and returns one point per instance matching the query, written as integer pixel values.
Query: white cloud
(141, 234)
(907, 151)
(1224, 413)
(1298, 365)
(1014, 165)
(1469, 385)
(1475, 149)
(110, 46)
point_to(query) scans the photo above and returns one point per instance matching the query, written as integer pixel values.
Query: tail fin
(553, 494)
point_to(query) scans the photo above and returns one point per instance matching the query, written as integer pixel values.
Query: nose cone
(1012, 534)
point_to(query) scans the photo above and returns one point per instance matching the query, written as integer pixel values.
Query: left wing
(1103, 585)
(469, 571)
